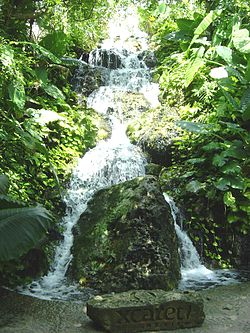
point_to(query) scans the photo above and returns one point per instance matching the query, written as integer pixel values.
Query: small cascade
(193, 273)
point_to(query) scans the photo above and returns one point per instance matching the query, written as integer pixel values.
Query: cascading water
(193, 274)
(110, 162)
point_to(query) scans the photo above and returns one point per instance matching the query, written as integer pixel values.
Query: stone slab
(144, 310)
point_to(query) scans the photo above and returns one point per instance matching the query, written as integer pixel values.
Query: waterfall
(110, 162)
(193, 273)
(114, 160)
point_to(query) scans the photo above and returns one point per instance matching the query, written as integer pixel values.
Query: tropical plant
(21, 227)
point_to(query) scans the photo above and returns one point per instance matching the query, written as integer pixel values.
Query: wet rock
(154, 131)
(87, 79)
(244, 257)
(141, 310)
(126, 240)
(149, 58)
(153, 169)
(106, 58)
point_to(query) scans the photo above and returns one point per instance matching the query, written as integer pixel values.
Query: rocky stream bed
(227, 310)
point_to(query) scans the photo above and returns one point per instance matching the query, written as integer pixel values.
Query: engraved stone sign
(146, 310)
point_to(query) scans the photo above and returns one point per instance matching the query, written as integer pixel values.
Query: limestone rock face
(126, 240)
(142, 310)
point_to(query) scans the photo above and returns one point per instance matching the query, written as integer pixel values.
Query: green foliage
(21, 228)
(40, 121)
(203, 55)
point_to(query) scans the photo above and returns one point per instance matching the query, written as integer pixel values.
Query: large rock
(154, 131)
(126, 240)
(141, 310)
(132, 105)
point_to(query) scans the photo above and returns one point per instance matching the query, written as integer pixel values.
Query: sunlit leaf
(7, 55)
(197, 160)
(194, 186)
(225, 53)
(53, 91)
(162, 8)
(241, 40)
(205, 23)
(192, 70)
(17, 94)
(56, 42)
(191, 126)
(229, 199)
(43, 116)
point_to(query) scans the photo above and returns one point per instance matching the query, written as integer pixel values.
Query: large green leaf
(17, 94)
(42, 75)
(192, 70)
(43, 51)
(194, 186)
(192, 127)
(241, 40)
(205, 23)
(21, 229)
(4, 184)
(8, 202)
(6, 55)
(186, 25)
(53, 91)
(56, 42)
(225, 53)
(43, 116)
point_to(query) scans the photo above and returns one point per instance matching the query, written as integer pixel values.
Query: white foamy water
(193, 273)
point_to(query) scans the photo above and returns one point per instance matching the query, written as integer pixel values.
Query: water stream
(114, 160)
(194, 275)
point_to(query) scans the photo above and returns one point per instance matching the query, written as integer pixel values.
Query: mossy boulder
(154, 131)
(126, 240)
